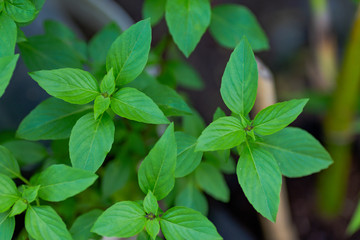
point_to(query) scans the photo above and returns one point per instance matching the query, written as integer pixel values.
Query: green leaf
(277, 116)
(150, 204)
(19, 207)
(8, 163)
(182, 222)
(129, 53)
(80, 230)
(212, 182)
(193, 124)
(20, 10)
(8, 193)
(157, 171)
(7, 67)
(52, 119)
(30, 193)
(59, 182)
(231, 22)
(20, 36)
(152, 227)
(8, 35)
(187, 159)
(187, 21)
(7, 226)
(71, 85)
(123, 219)
(90, 141)
(107, 85)
(260, 178)
(192, 198)
(101, 104)
(135, 105)
(297, 152)
(153, 9)
(43, 223)
(48, 52)
(59, 30)
(26, 152)
(219, 113)
(239, 82)
(224, 133)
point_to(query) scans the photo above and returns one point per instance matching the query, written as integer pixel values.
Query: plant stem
(338, 128)
(23, 179)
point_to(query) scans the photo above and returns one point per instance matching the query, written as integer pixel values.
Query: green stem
(338, 127)
(23, 179)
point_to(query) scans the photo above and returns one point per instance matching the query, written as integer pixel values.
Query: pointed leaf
(108, 83)
(26, 152)
(7, 67)
(152, 227)
(80, 230)
(7, 226)
(8, 163)
(8, 36)
(19, 207)
(8, 193)
(30, 193)
(192, 198)
(101, 104)
(153, 9)
(150, 204)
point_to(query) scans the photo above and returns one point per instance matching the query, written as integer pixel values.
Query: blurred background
(308, 40)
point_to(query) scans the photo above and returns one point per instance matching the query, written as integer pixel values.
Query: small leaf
(7, 67)
(187, 21)
(260, 178)
(218, 114)
(277, 116)
(152, 227)
(8, 193)
(52, 119)
(187, 159)
(26, 152)
(150, 204)
(43, 223)
(180, 222)
(7, 226)
(20, 10)
(239, 82)
(71, 85)
(157, 171)
(80, 230)
(123, 219)
(212, 182)
(129, 53)
(8, 35)
(108, 83)
(135, 105)
(230, 22)
(297, 152)
(224, 133)
(153, 9)
(59, 182)
(101, 104)
(19, 207)
(192, 198)
(30, 193)
(90, 141)
(8, 163)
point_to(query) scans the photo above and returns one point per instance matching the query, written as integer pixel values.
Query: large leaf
(224, 133)
(277, 116)
(187, 159)
(129, 53)
(211, 180)
(43, 223)
(52, 119)
(7, 226)
(71, 85)
(59, 182)
(260, 178)
(230, 22)
(185, 223)
(8, 35)
(187, 21)
(8, 193)
(123, 219)
(20, 10)
(157, 171)
(8, 163)
(153, 9)
(7, 67)
(90, 141)
(132, 104)
(80, 230)
(239, 82)
(297, 152)
(26, 152)
(193, 198)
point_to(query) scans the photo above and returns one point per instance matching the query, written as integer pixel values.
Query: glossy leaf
(277, 116)
(135, 105)
(231, 22)
(239, 82)
(123, 219)
(153, 9)
(192, 198)
(80, 230)
(224, 133)
(7, 226)
(71, 85)
(52, 119)
(150, 204)
(7, 67)
(187, 21)
(8, 193)
(185, 223)
(43, 223)
(297, 152)
(8, 163)
(26, 152)
(90, 141)
(260, 178)
(101, 104)
(157, 171)
(59, 182)
(8, 36)
(129, 53)
(20, 10)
